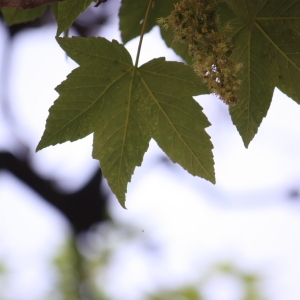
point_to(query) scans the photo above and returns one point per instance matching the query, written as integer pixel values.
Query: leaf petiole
(142, 32)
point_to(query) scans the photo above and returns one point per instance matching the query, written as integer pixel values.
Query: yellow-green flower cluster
(195, 22)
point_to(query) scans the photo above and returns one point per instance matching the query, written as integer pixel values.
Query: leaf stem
(142, 32)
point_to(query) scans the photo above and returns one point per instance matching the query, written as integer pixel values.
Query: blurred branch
(82, 208)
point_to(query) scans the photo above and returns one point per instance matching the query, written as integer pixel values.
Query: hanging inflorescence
(195, 22)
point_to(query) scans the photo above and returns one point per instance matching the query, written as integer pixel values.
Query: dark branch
(25, 4)
(83, 208)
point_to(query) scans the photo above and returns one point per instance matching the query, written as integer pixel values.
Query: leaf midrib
(174, 128)
(172, 77)
(68, 12)
(275, 46)
(89, 107)
(127, 122)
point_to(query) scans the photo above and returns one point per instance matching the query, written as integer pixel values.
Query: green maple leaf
(14, 16)
(125, 107)
(67, 11)
(267, 43)
(132, 14)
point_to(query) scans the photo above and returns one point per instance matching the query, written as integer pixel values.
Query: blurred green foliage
(83, 267)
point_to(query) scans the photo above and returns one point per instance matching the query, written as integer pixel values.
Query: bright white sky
(246, 218)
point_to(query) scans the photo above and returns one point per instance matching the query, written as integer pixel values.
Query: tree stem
(142, 32)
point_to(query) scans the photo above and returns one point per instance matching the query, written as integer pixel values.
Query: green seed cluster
(195, 22)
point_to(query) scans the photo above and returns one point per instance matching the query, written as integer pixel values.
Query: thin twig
(142, 32)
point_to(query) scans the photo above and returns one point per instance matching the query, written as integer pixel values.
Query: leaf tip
(212, 178)
(39, 147)
(44, 143)
(122, 200)
(246, 142)
(123, 205)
